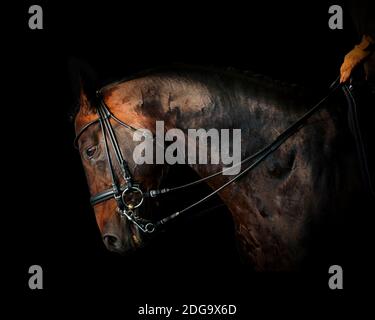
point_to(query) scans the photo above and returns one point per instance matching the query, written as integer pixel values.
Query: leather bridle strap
(105, 115)
(115, 191)
(356, 132)
(104, 196)
(84, 128)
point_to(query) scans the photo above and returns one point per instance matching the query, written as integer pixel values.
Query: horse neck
(196, 106)
(252, 109)
(185, 103)
(192, 104)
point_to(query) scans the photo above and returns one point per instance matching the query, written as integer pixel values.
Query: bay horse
(305, 182)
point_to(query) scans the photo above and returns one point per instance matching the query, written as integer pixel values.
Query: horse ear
(84, 83)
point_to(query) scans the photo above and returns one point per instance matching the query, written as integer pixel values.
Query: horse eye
(90, 152)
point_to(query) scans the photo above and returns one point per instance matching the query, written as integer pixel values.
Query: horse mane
(207, 75)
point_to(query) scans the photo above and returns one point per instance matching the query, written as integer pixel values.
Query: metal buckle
(150, 227)
(129, 203)
(147, 228)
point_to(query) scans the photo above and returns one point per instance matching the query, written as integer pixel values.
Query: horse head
(124, 223)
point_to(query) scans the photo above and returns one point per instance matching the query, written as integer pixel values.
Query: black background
(52, 223)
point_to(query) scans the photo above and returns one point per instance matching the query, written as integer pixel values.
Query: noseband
(129, 195)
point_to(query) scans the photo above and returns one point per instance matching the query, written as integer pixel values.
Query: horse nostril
(111, 241)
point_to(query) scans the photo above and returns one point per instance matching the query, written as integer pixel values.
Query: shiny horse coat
(275, 208)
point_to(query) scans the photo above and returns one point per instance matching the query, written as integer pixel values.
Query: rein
(131, 189)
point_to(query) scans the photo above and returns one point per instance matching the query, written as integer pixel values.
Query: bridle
(121, 193)
(129, 195)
